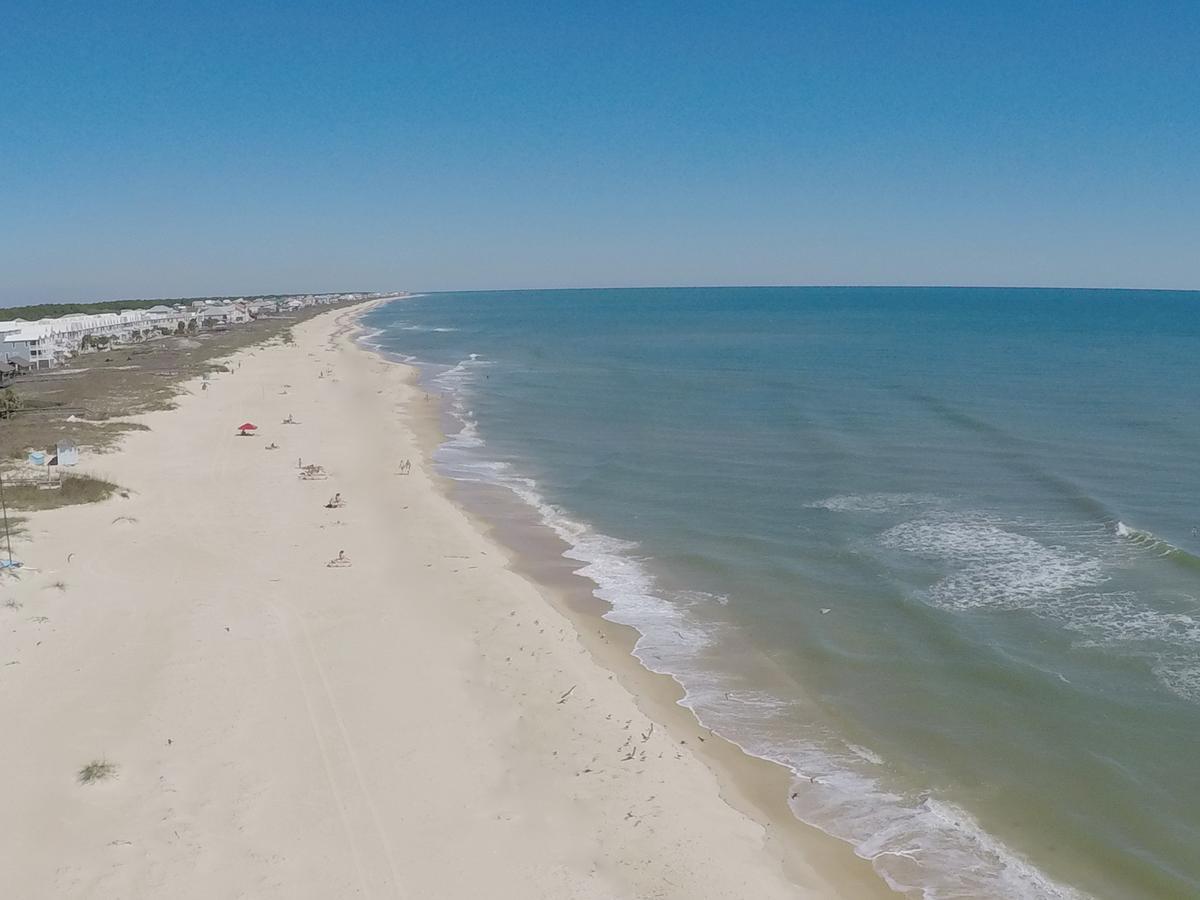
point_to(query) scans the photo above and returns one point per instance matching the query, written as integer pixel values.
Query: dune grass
(97, 770)
(75, 489)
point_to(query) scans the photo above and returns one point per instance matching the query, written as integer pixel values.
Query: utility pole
(4, 506)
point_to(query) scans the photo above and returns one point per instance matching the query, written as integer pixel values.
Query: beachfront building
(222, 315)
(19, 346)
(46, 342)
(258, 308)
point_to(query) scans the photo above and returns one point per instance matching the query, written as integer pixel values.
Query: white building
(227, 314)
(49, 341)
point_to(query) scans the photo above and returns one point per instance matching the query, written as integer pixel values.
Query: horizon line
(632, 287)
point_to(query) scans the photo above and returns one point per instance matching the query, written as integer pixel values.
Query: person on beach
(339, 561)
(335, 502)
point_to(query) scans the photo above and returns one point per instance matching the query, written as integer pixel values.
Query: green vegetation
(75, 489)
(97, 770)
(53, 310)
(9, 403)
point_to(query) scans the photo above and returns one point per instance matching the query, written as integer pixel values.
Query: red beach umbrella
(247, 426)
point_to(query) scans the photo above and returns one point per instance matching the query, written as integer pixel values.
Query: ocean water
(935, 550)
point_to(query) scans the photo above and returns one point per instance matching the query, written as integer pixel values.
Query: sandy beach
(424, 722)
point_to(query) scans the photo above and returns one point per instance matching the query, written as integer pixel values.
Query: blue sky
(173, 149)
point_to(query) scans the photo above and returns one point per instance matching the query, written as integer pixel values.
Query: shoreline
(754, 786)
(418, 723)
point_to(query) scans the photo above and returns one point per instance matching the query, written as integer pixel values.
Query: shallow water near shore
(932, 549)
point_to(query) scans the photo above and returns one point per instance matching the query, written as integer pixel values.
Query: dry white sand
(421, 724)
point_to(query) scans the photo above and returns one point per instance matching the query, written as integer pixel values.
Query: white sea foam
(1144, 540)
(916, 844)
(698, 598)
(995, 564)
(872, 503)
(368, 337)
(1180, 674)
(862, 752)
(993, 567)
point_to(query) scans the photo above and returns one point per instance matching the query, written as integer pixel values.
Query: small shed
(68, 453)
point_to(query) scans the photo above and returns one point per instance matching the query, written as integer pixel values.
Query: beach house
(47, 342)
(20, 345)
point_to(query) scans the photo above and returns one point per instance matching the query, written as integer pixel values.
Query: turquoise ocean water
(936, 550)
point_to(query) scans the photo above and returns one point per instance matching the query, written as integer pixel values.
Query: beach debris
(340, 561)
(97, 770)
(825, 610)
(571, 690)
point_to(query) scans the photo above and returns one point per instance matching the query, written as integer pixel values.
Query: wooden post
(4, 507)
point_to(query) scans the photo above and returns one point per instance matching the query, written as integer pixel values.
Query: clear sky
(171, 149)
